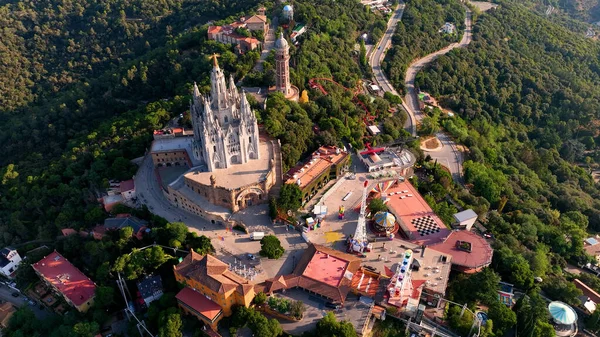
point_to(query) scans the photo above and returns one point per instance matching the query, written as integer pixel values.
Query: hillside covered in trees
(417, 34)
(526, 93)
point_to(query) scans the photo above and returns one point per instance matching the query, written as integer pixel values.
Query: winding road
(411, 98)
(448, 155)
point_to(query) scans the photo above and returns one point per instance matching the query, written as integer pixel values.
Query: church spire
(196, 93)
(245, 109)
(233, 92)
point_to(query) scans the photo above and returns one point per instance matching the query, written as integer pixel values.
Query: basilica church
(225, 128)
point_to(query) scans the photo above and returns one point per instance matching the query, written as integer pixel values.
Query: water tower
(288, 12)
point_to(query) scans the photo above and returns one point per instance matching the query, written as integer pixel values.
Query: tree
(273, 208)
(502, 316)
(290, 198)
(297, 309)
(86, 329)
(170, 323)
(328, 326)
(140, 262)
(260, 298)
(201, 244)
(377, 205)
(104, 297)
(394, 99)
(270, 247)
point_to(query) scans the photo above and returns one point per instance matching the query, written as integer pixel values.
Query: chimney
(422, 250)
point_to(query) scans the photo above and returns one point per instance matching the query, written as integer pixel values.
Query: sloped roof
(127, 185)
(257, 19)
(213, 273)
(65, 277)
(199, 303)
(150, 286)
(68, 231)
(121, 222)
(465, 215)
(335, 293)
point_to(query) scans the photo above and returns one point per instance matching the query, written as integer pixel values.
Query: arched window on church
(226, 119)
(250, 139)
(215, 148)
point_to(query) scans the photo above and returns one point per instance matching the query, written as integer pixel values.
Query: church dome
(287, 8)
(281, 42)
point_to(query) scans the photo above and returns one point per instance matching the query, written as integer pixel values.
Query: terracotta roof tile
(213, 273)
(199, 303)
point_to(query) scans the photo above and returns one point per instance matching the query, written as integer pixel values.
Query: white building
(9, 261)
(465, 219)
(225, 128)
(448, 28)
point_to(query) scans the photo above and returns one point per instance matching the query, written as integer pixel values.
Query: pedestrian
(384, 245)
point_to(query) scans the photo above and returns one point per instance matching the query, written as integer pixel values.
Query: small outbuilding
(464, 219)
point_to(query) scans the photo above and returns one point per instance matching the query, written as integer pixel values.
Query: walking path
(268, 44)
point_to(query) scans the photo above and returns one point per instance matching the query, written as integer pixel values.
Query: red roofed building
(66, 280)
(199, 305)
(470, 252)
(226, 34)
(321, 270)
(587, 291)
(324, 165)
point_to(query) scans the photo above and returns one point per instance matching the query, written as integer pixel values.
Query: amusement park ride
(359, 242)
(400, 282)
(314, 83)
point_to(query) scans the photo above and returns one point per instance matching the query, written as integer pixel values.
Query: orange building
(324, 165)
(210, 284)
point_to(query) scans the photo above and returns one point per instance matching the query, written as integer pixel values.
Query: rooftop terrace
(416, 218)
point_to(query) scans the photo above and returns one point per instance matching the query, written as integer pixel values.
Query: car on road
(15, 294)
(378, 47)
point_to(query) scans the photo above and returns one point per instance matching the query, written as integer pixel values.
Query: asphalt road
(378, 54)
(21, 301)
(448, 155)
(150, 193)
(411, 99)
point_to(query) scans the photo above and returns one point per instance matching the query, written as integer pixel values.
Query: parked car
(332, 305)
(251, 256)
(15, 294)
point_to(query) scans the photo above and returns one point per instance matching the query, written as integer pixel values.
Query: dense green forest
(417, 34)
(526, 96)
(51, 44)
